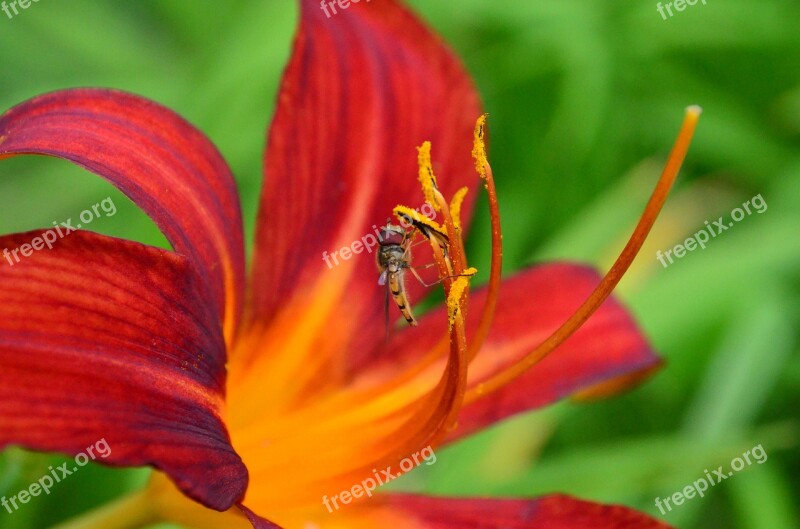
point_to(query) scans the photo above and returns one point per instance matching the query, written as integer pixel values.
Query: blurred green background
(585, 98)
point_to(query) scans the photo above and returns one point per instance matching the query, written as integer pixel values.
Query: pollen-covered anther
(435, 414)
(469, 272)
(479, 146)
(422, 223)
(493, 286)
(427, 178)
(454, 298)
(455, 206)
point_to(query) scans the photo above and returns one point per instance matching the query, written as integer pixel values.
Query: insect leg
(414, 271)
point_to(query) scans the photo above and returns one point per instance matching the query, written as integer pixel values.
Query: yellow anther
(426, 177)
(418, 220)
(479, 146)
(455, 206)
(454, 298)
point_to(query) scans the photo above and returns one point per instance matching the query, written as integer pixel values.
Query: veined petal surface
(164, 164)
(102, 338)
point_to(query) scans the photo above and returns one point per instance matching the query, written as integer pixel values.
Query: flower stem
(130, 512)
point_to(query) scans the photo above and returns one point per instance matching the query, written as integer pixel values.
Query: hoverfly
(394, 258)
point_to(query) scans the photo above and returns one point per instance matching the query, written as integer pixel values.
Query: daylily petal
(102, 338)
(164, 164)
(257, 521)
(362, 91)
(549, 512)
(608, 348)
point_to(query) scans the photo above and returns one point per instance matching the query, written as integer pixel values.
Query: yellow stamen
(449, 393)
(454, 299)
(455, 207)
(496, 266)
(429, 419)
(405, 213)
(426, 177)
(479, 146)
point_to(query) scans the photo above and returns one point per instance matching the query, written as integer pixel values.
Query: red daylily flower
(107, 338)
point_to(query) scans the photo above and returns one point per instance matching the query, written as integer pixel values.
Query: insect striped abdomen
(397, 288)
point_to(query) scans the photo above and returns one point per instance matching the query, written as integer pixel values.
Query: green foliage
(585, 98)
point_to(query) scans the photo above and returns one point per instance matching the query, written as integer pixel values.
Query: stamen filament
(435, 415)
(429, 420)
(450, 391)
(612, 278)
(496, 265)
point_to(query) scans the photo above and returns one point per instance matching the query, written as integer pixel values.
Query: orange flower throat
(300, 445)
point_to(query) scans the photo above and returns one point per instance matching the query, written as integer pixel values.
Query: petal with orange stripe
(164, 164)
(362, 90)
(108, 339)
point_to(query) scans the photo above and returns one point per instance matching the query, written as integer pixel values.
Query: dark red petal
(532, 304)
(164, 164)
(363, 90)
(102, 338)
(257, 521)
(549, 512)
